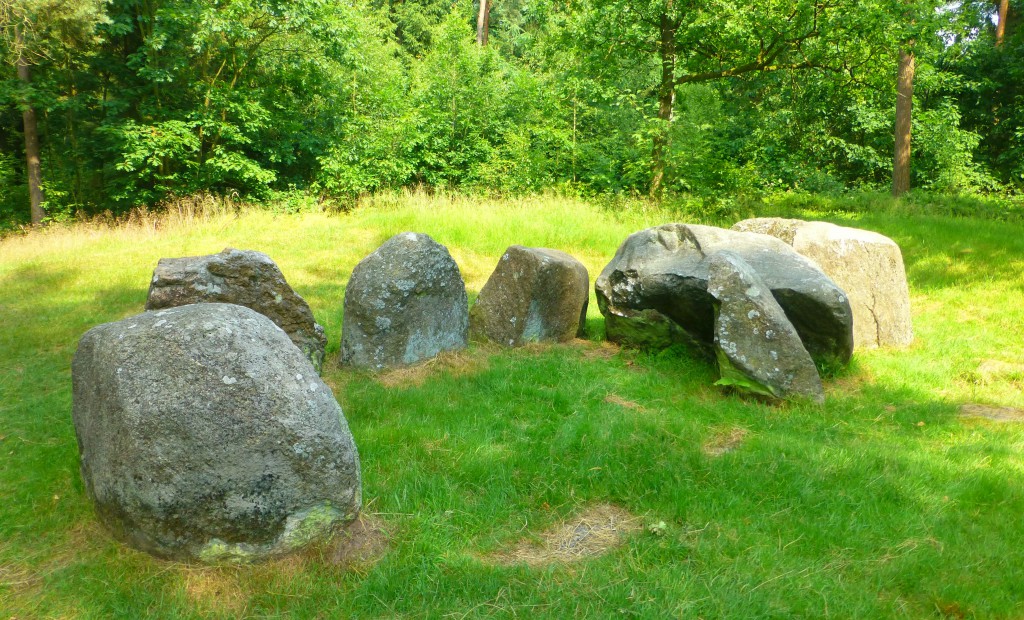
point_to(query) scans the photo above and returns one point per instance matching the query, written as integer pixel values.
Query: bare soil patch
(360, 545)
(724, 440)
(456, 363)
(592, 533)
(615, 399)
(990, 412)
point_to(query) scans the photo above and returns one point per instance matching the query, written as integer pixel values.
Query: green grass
(883, 503)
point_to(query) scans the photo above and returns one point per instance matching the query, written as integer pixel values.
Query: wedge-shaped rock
(405, 303)
(866, 265)
(533, 295)
(654, 292)
(206, 435)
(243, 277)
(757, 348)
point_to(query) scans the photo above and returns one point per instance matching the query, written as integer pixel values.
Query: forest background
(108, 105)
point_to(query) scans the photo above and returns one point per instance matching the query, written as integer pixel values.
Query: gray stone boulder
(757, 348)
(654, 291)
(866, 265)
(206, 435)
(533, 295)
(405, 303)
(243, 277)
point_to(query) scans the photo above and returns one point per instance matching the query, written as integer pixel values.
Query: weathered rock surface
(206, 435)
(243, 277)
(533, 295)
(866, 265)
(654, 292)
(758, 349)
(405, 303)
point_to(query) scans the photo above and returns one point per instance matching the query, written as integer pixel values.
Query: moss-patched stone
(205, 434)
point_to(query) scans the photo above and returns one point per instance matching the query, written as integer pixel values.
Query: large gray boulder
(405, 303)
(533, 295)
(758, 350)
(206, 435)
(654, 291)
(243, 277)
(866, 265)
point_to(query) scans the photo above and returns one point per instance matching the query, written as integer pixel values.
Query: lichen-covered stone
(866, 265)
(245, 278)
(405, 303)
(206, 435)
(757, 348)
(663, 269)
(533, 295)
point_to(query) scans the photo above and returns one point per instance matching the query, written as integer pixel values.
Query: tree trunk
(666, 102)
(483, 22)
(1004, 9)
(32, 160)
(904, 116)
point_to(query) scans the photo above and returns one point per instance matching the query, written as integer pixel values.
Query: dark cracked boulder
(533, 295)
(405, 303)
(206, 435)
(866, 265)
(242, 277)
(654, 291)
(757, 348)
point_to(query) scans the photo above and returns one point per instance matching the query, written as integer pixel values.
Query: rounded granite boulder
(206, 435)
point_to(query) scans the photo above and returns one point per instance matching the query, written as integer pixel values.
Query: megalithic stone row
(243, 277)
(405, 303)
(533, 295)
(206, 435)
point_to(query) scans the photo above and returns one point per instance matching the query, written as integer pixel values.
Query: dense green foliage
(883, 503)
(142, 99)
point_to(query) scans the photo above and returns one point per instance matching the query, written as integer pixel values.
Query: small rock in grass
(405, 303)
(206, 435)
(243, 277)
(758, 350)
(534, 295)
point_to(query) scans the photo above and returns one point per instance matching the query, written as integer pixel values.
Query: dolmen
(243, 277)
(206, 435)
(405, 303)
(534, 295)
(866, 265)
(748, 300)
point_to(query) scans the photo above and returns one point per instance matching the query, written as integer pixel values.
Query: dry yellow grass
(593, 532)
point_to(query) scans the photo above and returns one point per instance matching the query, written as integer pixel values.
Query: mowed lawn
(884, 503)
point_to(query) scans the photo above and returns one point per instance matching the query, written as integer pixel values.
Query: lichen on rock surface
(405, 303)
(204, 433)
